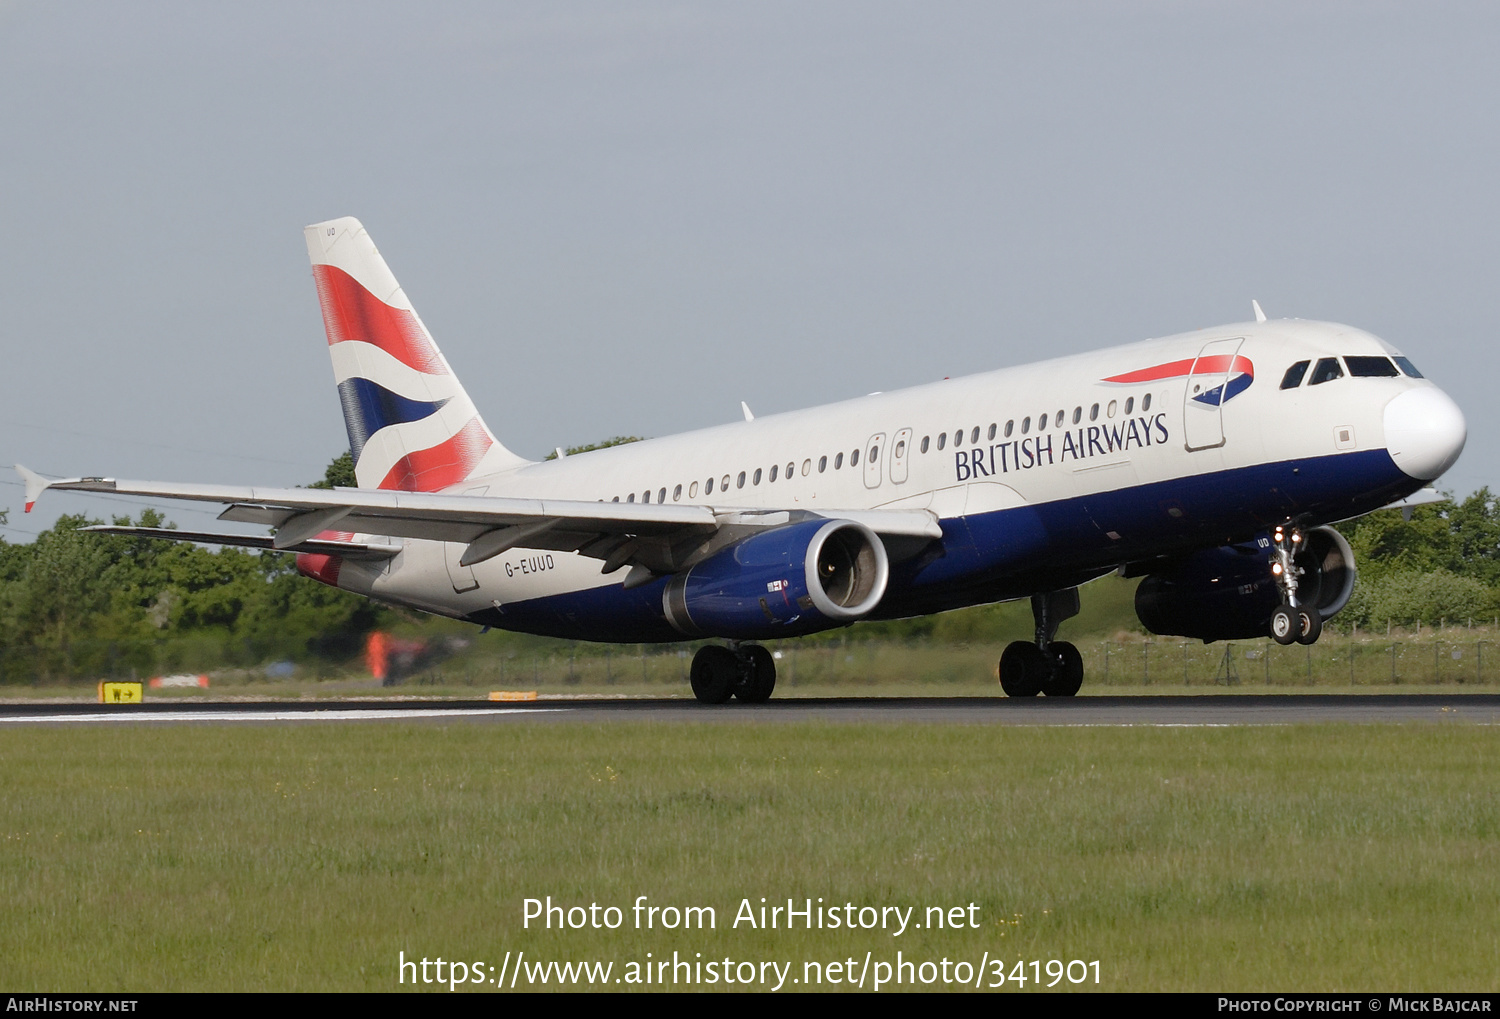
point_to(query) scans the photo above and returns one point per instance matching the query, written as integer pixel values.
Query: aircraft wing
(1421, 497)
(663, 538)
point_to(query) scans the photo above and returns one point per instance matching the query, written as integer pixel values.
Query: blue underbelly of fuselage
(1017, 552)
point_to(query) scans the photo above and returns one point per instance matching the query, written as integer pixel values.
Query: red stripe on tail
(350, 312)
(447, 463)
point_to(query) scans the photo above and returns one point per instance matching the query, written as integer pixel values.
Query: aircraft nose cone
(1424, 432)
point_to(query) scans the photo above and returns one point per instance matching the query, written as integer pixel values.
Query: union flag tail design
(411, 425)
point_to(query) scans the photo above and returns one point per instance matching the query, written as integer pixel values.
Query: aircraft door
(874, 450)
(900, 450)
(462, 576)
(1202, 401)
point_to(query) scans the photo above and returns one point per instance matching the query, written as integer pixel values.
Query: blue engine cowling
(1229, 593)
(782, 582)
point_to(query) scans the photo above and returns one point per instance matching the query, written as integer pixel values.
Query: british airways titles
(1060, 447)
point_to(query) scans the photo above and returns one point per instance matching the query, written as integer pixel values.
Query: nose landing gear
(1293, 622)
(1046, 666)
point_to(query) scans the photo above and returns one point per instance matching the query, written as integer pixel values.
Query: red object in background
(389, 659)
(377, 654)
(157, 682)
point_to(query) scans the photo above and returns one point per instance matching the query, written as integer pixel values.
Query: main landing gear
(1046, 666)
(1293, 622)
(746, 672)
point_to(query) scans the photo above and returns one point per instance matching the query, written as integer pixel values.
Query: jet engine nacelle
(782, 582)
(1229, 593)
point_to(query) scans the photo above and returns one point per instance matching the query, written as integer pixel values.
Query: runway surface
(1213, 710)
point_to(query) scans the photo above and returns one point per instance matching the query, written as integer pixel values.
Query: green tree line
(1441, 564)
(74, 603)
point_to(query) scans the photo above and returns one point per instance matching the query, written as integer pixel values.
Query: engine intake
(1229, 593)
(782, 582)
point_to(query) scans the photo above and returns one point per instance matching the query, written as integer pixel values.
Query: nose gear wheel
(1293, 622)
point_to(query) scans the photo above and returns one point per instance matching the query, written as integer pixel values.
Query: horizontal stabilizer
(348, 549)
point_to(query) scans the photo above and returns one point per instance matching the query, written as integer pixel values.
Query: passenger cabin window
(774, 469)
(1094, 412)
(677, 493)
(1145, 403)
(823, 460)
(757, 476)
(792, 469)
(1326, 370)
(1293, 377)
(974, 436)
(1077, 414)
(1409, 368)
(942, 439)
(661, 496)
(993, 429)
(854, 459)
(838, 460)
(630, 497)
(1371, 367)
(925, 443)
(1129, 405)
(958, 438)
(1025, 425)
(708, 487)
(740, 481)
(1009, 427)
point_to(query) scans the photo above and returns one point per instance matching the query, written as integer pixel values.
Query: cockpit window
(1409, 368)
(1371, 367)
(1327, 369)
(1293, 377)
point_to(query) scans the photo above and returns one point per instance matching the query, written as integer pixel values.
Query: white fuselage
(1143, 463)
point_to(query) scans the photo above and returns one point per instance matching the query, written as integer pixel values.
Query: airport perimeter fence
(1453, 657)
(1335, 661)
(1330, 662)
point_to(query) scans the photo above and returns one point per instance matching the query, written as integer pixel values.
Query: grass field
(307, 857)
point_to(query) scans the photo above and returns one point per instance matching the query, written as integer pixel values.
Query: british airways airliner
(1208, 463)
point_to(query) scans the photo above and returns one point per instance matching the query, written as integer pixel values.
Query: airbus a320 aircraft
(1208, 463)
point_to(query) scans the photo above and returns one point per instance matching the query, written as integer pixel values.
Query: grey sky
(626, 218)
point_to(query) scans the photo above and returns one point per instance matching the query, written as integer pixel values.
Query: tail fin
(411, 425)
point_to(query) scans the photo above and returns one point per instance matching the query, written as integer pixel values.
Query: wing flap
(374, 551)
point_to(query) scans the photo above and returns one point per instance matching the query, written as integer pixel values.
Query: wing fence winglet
(35, 484)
